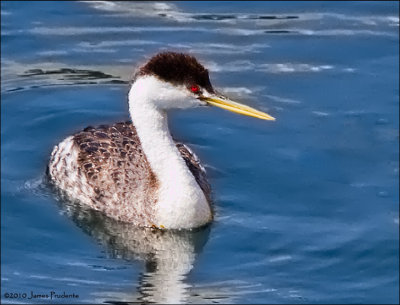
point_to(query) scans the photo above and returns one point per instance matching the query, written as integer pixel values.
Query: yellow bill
(227, 104)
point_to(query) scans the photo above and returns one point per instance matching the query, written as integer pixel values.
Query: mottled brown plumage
(112, 174)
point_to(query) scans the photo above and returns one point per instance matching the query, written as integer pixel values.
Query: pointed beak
(225, 103)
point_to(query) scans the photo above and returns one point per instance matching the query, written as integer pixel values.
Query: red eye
(194, 89)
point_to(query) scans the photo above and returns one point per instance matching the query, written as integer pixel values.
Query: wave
(74, 31)
(18, 76)
(116, 43)
(274, 68)
(219, 48)
(282, 100)
(172, 12)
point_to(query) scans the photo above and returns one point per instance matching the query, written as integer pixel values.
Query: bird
(135, 171)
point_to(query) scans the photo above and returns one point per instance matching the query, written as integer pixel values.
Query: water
(306, 206)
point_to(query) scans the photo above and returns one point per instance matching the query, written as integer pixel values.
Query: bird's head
(175, 80)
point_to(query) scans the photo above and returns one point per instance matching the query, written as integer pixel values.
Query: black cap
(178, 69)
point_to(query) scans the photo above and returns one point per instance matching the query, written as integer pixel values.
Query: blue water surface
(306, 206)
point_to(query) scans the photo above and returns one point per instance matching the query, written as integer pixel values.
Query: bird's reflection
(169, 255)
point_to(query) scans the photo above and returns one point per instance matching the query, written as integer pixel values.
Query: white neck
(181, 202)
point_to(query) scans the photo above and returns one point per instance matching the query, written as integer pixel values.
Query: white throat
(181, 202)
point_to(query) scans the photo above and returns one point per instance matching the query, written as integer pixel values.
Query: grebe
(134, 171)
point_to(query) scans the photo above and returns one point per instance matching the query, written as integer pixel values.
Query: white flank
(65, 159)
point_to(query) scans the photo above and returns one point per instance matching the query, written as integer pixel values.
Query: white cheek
(161, 94)
(169, 97)
(172, 97)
